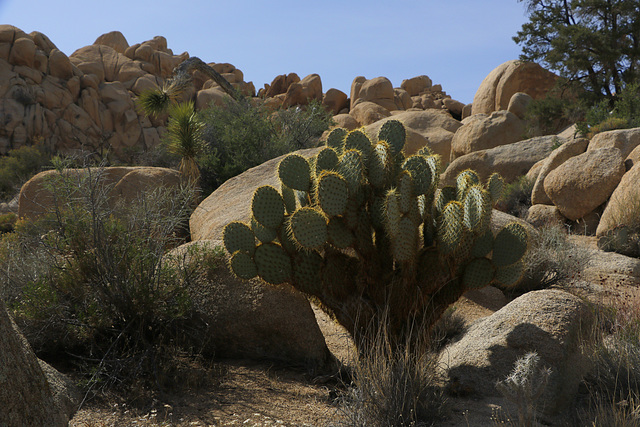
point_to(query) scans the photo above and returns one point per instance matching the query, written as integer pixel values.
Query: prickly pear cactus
(366, 230)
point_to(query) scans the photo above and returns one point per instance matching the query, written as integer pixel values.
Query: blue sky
(456, 42)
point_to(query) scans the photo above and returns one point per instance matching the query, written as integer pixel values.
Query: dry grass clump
(614, 385)
(395, 384)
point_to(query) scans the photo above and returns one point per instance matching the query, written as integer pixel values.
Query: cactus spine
(370, 230)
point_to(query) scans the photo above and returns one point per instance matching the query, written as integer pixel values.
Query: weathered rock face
(567, 150)
(482, 132)
(510, 161)
(584, 182)
(549, 322)
(503, 82)
(27, 396)
(126, 183)
(232, 200)
(625, 140)
(433, 128)
(85, 102)
(623, 204)
(300, 93)
(251, 319)
(367, 112)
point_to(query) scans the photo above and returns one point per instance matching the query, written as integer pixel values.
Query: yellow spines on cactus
(289, 198)
(451, 228)
(335, 139)
(420, 171)
(405, 243)
(264, 234)
(332, 193)
(358, 140)
(392, 211)
(495, 185)
(379, 164)
(268, 207)
(294, 172)
(394, 133)
(464, 180)
(351, 168)
(406, 192)
(477, 209)
(326, 160)
(308, 227)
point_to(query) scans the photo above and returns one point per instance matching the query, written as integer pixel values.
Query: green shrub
(622, 112)
(90, 279)
(549, 115)
(18, 166)
(516, 198)
(241, 135)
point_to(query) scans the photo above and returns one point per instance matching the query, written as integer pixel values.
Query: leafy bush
(516, 198)
(18, 166)
(90, 279)
(241, 135)
(622, 112)
(549, 115)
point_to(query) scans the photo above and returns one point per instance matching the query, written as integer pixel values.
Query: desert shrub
(7, 222)
(394, 385)
(90, 279)
(549, 115)
(241, 135)
(516, 197)
(18, 166)
(552, 259)
(614, 384)
(622, 112)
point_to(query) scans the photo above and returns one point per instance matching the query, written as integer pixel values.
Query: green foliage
(241, 135)
(550, 115)
(590, 42)
(516, 197)
(625, 113)
(18, 166)
(90, 278)
(374, 235)
(184, 134)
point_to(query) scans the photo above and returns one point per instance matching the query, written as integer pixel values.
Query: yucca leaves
(185, 134)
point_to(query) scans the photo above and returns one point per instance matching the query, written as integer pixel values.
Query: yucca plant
(185, 138)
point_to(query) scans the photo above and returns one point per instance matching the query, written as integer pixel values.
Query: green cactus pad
(237, 236)
(264, 234)
(335, 139)
(273, 263)
(351, 213)
(477, 209)
(378, 165)
(405, 244)
(464, 180)
(377, 212)
(450, 232)
(510, 245)
(443, 197)
(268, 207)
(358, 140)
(425, 151)
(332, 193)
(308, 226)
(478, 273)
(406, 191)
(351, 169)
(294, 172)
(394, 133)
(326, 160)
(482, 245)
(495, 185)
(289, 198)
(435, 165)
(420, 172)
(243, 265)
(307, 269)
(510, 275)
(392, 212)
(339, 234)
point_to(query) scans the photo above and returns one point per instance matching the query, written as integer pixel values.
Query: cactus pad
(394, 133)
(464, 180)
(339, 234)
(289, 198)
(351, 169)
(264, 234)
(495, 185)
(332, 193)
(511, 274)
(406, 191)
(273, 263)
(482, 245)
(405, 244)
(326, 160)
(478, 273)
(335, 139)
(294, 172)
(308, 227)
(420, 172)
(242, 265)
(451, 230)
(392, 212)
(238, 237)
(477, 208)
(378, 165)
(307, 269)
(358, 140)
(268, 207)
(510, 245)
